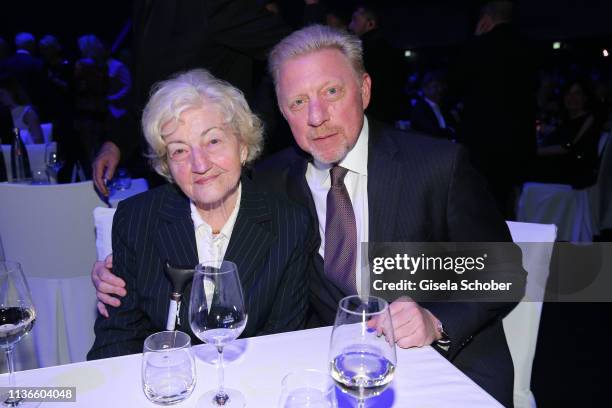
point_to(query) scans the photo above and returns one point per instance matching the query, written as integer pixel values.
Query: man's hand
(104, 165)
(413, 325)
(106, 284)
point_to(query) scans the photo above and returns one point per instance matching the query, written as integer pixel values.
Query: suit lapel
(252, 236)
(383, 184)
(175, 235)
(297, 187)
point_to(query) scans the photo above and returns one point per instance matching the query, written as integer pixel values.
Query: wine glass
(217, 316)
(17, 315)
(362, 347)
(53, 162)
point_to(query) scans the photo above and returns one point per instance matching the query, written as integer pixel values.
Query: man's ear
(366, 88)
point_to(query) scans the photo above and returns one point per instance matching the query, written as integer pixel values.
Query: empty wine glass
(53, 162)
(217, 316)
(362, 347)
(17, 316)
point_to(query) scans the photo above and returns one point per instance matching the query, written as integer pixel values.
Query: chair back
(522, 323)
(47, 131)
(50, 231)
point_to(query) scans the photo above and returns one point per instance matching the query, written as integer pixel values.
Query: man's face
(360, 24)
(323, 100)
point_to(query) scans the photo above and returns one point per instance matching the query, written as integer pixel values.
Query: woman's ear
(244, 153)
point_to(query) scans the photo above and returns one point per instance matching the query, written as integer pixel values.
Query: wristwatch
(444, 341)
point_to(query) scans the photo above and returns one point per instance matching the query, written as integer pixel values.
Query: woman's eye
(178, 153)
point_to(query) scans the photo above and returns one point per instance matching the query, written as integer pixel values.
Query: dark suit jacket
(267, 245)
(496, 76)
(419, 190)
(423, 119)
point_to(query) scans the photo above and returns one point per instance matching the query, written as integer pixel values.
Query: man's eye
(333, 91)
(298, 103)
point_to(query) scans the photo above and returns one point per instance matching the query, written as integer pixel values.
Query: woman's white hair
(315, 38)
(195, 89)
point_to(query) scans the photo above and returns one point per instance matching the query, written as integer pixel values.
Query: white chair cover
(559, 204)
(50, 231)
(600, 195)
(578, 214)
(521, 325)
(47, 130)
(103, 219)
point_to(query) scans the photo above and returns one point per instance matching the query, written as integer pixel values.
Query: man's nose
(317, 112)
(200, 160)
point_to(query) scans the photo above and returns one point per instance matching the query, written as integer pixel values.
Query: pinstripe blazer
(267, 245)
(420, 189)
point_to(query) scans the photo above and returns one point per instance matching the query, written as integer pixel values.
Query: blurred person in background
(23, 115)
(569, 155)
(429, 115)
(495, 76)
(383, 62)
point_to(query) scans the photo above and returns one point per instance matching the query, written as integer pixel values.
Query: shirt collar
(228, 227)
(356, 160)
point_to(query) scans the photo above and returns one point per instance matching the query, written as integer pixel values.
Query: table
(256, 367)
(138, 186)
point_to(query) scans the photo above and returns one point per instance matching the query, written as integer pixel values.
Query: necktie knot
(337, 175)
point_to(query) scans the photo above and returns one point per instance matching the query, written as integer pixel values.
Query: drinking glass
(122, 180)
(168, 367)
(217, 316)
(362, 347)
(17, 316)
(53, 162)
(40, 177)
(307, 389)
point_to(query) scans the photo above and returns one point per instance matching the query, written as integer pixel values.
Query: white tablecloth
(256, 366)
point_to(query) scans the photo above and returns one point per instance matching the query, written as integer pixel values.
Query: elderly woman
(201, 133)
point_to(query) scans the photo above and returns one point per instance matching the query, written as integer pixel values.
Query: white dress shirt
(212, 247)
(356, 182)
(437, 112)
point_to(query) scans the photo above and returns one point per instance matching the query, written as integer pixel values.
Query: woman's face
(575, 99)
(204, 156)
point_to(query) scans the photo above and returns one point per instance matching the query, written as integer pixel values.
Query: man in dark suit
(429, 114)
(402, 188)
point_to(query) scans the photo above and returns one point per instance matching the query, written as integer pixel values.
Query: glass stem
(221, 395)
(10, 366)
